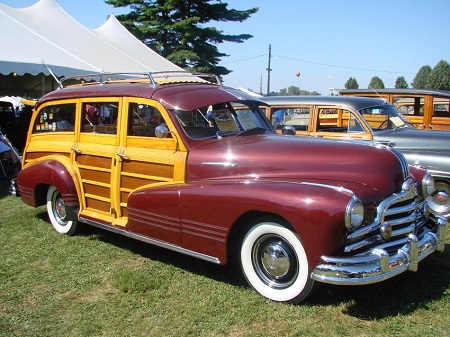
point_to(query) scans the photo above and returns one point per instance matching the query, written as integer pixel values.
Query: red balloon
(297, 74)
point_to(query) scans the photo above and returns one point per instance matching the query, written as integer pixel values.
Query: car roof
(344, 101)
(183, 96)
(441, 93)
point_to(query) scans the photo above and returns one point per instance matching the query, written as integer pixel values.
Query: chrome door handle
(123, 156)
(77, 151)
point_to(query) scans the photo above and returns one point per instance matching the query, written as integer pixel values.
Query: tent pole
(43, 84)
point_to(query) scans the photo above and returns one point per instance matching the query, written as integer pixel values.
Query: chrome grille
(398, 213)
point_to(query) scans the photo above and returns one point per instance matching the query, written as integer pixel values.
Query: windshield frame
(222, 119)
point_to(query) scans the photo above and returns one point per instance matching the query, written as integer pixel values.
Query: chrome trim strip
(221, 164)
(154, 242)
(336, 188)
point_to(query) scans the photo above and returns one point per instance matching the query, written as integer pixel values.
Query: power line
(339, 66)
(319, 63)
(248, 58)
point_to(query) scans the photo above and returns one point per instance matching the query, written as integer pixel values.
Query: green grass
(102, 284)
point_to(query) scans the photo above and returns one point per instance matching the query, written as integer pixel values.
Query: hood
(298, 159)
(411, 139)
(429, 148)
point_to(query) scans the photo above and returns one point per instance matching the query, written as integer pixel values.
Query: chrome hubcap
(440, 201)
(275, 261)
(59, 208)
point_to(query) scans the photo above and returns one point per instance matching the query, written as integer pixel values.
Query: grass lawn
(102, 284)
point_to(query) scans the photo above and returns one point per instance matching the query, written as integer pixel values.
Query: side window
(59, 118)
(298, 117)
(143, 120)
(354, 125)
(328, 119)
(99, 117)
(441, 107)
(412, 106)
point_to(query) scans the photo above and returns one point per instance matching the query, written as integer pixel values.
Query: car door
(339, 123)
(94, 155)
(146, 161)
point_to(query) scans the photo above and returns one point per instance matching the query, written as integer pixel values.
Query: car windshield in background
(383, 117)
(222, 119)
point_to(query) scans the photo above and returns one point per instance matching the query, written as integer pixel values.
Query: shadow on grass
(220, 273)
(400, 295)
(4, 186)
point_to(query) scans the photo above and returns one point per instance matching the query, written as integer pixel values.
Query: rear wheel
(57, 213)
(275, 264)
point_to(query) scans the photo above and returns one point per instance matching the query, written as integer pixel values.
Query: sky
(324, 42)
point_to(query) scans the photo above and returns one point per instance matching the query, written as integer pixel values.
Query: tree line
(426, 78)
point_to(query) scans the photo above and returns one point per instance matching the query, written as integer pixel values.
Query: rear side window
(99, 117)
(55, 118)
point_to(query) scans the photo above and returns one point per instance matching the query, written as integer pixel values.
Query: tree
(293, 91)
(376, 83)
(420, 81)
(401, 83)
(352, 83)
(439, 78)
(178, 31)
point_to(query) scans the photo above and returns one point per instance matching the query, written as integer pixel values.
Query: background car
(374, 119)
(425, 108)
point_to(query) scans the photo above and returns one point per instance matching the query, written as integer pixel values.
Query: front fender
(50, 171)
(208, 210)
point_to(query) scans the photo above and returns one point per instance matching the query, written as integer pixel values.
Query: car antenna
(52, 74)
(378, 94)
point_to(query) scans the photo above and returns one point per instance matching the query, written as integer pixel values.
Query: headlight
(354, 213)
(427, 185)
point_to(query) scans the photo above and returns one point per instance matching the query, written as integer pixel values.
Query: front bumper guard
(377, 265)
(13, 188)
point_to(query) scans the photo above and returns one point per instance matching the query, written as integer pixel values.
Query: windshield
(232, 118)
(383, 117)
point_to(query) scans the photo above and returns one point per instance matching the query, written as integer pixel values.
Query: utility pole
(260, 85)
(269, 70)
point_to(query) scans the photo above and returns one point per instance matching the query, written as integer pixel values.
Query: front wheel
(275, 264)
(440, 199)
(57, 213)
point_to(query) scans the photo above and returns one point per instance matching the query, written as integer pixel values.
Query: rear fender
(34, 179)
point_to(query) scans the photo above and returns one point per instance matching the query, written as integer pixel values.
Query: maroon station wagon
(196, 167)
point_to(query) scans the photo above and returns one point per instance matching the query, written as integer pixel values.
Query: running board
(154, 242)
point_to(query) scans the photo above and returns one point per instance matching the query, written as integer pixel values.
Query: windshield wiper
(221, 133)
(253, 131)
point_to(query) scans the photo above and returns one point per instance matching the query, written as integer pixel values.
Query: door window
(99, 117)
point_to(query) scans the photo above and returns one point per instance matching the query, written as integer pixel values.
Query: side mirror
(161, 131)
(288, 130)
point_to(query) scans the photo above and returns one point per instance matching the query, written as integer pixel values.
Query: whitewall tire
(275, 264)
(57, 213)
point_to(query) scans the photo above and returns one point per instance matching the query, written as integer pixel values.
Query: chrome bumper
(377, 265)
(13, 188)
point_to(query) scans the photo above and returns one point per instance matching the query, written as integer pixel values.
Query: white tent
(44, 35)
